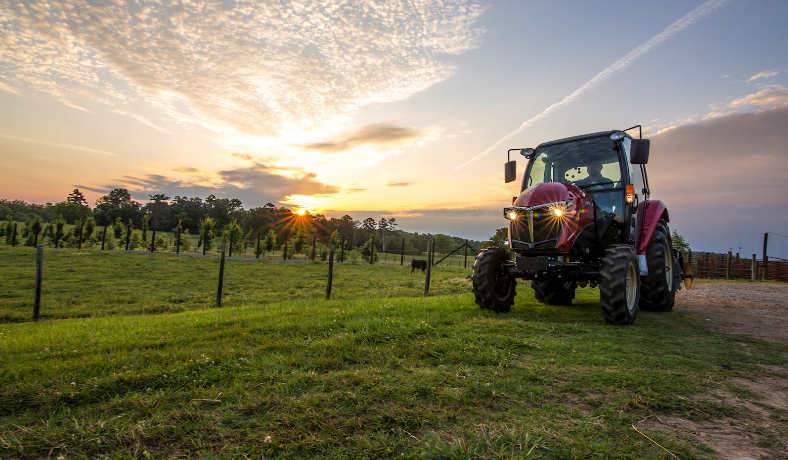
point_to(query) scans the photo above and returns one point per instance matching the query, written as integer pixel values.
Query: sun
(302, 212)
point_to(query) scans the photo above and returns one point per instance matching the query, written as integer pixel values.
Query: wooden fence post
(342, 251)
(128, 236)
(466, 254)
(13, 237)
(429, 267)
(402, 253)
(221, 279)
(39, 277)
(103, 237)
(231, 244)
(257, 248)
(330, 272)
(728, 266)
(285, 254)
(153, 241)
(754, 273)
(765, 257)
(178, 242)
(372, 257)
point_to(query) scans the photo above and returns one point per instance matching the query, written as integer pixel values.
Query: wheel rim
(668, 267)
(502, 282)
(632, 286)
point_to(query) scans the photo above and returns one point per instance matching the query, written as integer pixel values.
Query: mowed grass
(96, 283)
(370, 377)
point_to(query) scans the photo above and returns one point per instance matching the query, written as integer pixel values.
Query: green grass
(364, 377)
(96, 283)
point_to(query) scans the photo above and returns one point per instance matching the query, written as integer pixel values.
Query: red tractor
(584, 217)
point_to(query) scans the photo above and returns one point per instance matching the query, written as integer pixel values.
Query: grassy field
(96, 283)
(373, 374)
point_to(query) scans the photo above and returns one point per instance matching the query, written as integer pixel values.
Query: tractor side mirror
(639, 152)
(510, 171)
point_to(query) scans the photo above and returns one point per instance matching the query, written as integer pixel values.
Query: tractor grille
(546, 230)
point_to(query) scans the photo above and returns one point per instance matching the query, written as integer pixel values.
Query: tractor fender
(655, 211)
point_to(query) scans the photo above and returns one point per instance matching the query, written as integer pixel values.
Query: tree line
(209, 218)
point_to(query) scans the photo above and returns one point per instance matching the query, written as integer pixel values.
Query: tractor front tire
(659, 286)
(554, 291)
(493, 285)
(619, 285)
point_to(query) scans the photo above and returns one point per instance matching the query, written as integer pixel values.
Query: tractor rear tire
(659, 286)
(554, 291)
(619, 285)
(493, 285)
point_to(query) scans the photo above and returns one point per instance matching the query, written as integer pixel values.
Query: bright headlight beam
(558, 212)
(512, 215)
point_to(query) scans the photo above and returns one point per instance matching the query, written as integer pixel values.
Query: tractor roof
(576, 138)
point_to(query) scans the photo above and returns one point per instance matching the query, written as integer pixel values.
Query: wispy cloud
(775, 96)
(241, 68)
(765, 75)
(672, 30)
(377, 134)
(399, 184)
(59, 144)
(254, 185)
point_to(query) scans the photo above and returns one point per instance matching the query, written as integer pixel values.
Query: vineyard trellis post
(284, 256)
(178, 242)
(466, 254)
(128, 236)
(765, 257)
(330, 272)
(314, 242)
(153, 241)
(13, 237)
(231, 244)
(103, 237)
(430, 247)
(342, 251)
(39, 279)
(221, 279)
(257, 247)
(402, 253)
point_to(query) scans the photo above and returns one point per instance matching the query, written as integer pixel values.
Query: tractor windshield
(591, 164)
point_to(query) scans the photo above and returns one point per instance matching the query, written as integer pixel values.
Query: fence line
(715, 266)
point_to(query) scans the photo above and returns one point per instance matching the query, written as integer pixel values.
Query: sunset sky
(396, 108)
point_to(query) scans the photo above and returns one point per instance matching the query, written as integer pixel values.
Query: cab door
(634, 211)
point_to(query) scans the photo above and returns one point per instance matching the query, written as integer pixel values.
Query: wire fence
(709, 265)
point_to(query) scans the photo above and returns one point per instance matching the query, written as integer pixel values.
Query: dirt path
(758, 309)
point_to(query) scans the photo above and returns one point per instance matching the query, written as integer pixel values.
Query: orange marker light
(630, 193)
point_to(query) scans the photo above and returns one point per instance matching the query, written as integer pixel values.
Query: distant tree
(117, 203)
(77, 197)
(237, 236)
(269, 242)
(57, 232)
(36, 225)
(499, 239)
(69, 211)
(144, 227)
(206, 233)
(87, 231)
(118, 228)
(135, 241)
(368, 224)
(334, 238)
(298, 242)
(368, 252)
(186, 240)
(679, 242)
(161, 242)
(443, 244)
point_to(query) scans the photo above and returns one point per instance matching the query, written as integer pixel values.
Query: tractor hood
(548, 216)
(548, 192)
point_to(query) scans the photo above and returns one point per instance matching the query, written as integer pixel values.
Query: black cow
(416, 264)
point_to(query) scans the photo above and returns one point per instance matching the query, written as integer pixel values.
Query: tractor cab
(596, 168)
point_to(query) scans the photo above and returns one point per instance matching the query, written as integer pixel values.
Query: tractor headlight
(512, 215)
(557, 212)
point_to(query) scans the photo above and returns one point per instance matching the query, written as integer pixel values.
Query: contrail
(58, 144)
(692, 17)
